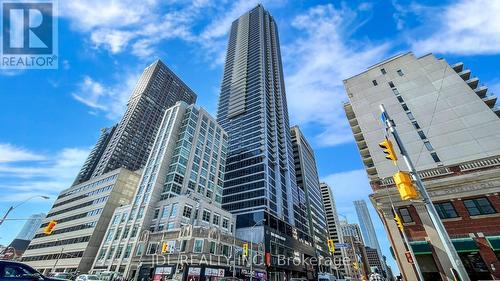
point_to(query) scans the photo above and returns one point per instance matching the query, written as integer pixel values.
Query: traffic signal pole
(431, 210)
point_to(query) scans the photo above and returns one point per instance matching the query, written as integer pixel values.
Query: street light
(15, 206)
(251, 247)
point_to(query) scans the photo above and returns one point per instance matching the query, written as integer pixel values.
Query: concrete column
(407, 269)
(440, 256)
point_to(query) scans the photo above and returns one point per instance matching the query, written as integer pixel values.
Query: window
(170, 226)
(128, 249)
(446, 210)
(383, 71)
(116, 218)
(374, 82)
(435, 157)
(391, 84)
(410, 115)
(400, 99)
(422, 135)
(183, 245)
(102, 253)
(225, 223)
(171, 246)
(216, 219)
(187, 211)
(16, 272)
(405, 108)
(153, 247)
(110, 235)
(157, 213)
(405, 215)
(164, 213)
(206, 216)
(174, 210)
(117, 234)
(212, 247)
(415, 124)
(428, 146)
(479, 206)
(400, 72)
(198, 246)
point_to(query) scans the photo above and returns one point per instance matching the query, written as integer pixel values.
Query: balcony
(481, 91)
(496, 109)
(368, 161)
(473, 83)
(465, 74)
(365, 152)
(490, 100)
(458, 67)
(361, 145)
(356, 129)
(359, 137)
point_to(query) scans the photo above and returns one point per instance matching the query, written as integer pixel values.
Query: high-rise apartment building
(30, 227)
(83, 213)
(367, 228)
(95, 155)
(260, 186)
(307, 178)
(449, 125)
(181, 185)
(332, 222)
(158, 88)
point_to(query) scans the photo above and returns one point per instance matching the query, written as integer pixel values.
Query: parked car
(63, 276)
(10, 270)
(87, 277)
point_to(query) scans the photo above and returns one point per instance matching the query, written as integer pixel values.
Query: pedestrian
(375, 276)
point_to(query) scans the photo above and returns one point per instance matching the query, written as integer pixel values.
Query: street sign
(342, 245)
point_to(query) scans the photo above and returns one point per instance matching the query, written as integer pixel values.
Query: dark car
(16, 271)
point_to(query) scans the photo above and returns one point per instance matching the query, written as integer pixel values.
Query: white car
(87, 277)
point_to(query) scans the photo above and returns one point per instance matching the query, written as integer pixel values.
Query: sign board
(342, 245)
(214, 272)
(194, 271)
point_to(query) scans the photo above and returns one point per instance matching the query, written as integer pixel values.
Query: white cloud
(111, 100)
(317, 62)
(10, 153)
(40, 175)
(466, 27)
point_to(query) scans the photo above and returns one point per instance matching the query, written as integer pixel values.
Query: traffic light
(398, 222)
(388, 150)
(405, 185)
(164, 248)
(245, 249)
(331, 246)
(50, 227)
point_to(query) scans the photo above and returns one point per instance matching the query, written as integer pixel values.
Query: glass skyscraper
(260, 186)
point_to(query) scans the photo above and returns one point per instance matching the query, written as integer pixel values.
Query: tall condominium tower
(367, 229)
(30, 227)
(449, 125)
(259, 185)
(308, 185)
(157, 89)
(187, 160)
(332, 222)
(95, 155)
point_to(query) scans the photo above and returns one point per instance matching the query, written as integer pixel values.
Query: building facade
(158, 88)
(333, 223)
(368, 230)
(260, 186)
(307, 177)
(355, 252)
(30, 227)
(181, 184)
(449, 125)
(83, 213)
(95, 155)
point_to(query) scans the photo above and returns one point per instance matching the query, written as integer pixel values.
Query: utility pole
(431, 210)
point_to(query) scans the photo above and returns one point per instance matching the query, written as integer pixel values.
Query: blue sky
(51, 118)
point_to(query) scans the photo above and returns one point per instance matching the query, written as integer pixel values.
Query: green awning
(465, 245)
(420, 247)
(461, 245)
(494, 242)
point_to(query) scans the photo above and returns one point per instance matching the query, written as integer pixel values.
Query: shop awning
(494, 242)
(465, 245)
(461, 245)
(421, 247)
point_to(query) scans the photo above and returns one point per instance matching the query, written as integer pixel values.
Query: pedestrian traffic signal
(388, 150)
(164, 248)
(331, 246)
(50, 227)
(398, 222)
(245, 249)
(405, 186)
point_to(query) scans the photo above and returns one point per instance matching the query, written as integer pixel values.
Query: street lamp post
(251, 247)
(15, 206)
